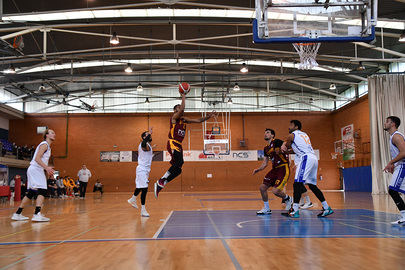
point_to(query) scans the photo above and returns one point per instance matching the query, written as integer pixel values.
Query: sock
(402, 214)
(286, 197)
(307, 199)
(266, 205)
(37, 209)
(143, 208)
(133, 198)
(296, 207)
(19, 211)
(325, 205)
(167, 174)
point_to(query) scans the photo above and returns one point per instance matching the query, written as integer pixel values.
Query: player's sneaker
(133, 202)
(40, 218)
(326, 212)
(144, 213)
(291, 213)
(264, 211)
(306, 205)
(159, 185)
(400, 221)
(18, 217)
(288, 203)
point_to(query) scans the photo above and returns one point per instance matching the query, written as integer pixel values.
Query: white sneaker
(18, 217)
(288, 203)
(40, 218)
(400, 221)
(306, 205)
(264, 211)
(133, 203)
(144, 213)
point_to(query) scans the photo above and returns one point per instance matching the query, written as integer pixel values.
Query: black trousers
(83, 187)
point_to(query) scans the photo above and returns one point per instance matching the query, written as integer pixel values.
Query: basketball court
(103, 75)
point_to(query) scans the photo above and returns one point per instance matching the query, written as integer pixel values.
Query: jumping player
(307, 168)
(37, 185)
(397, 165)
(145, 155)
(278, 176)
(176, 135)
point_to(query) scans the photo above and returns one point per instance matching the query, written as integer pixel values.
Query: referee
(84, 174)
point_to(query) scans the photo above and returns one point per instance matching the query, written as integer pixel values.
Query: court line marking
(239, 224)
(45, 249)
(226, 246)
(370, 230)
(162, 226)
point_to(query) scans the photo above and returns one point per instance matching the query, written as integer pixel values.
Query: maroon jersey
(177, 131)
(276, 159)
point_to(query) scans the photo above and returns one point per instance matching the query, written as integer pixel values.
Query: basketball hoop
(307, 53)
(216, 151)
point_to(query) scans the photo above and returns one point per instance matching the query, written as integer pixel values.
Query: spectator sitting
(98, 186)
(61, 187)
(12, 184)
(52, 188)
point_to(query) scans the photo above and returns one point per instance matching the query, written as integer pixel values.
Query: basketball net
(307, 53)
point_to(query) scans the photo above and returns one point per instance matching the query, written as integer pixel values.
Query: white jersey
(145, 157)
(45, 157)
(301, 145)
(394, 150)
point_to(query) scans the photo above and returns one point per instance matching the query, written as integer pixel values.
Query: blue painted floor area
(344, 223)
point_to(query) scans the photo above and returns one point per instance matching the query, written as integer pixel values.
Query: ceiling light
(402, 37)
(114, 39)
(360, 67)
(128, 69)
(236, 87)
(229, 101)
(244, 68)
(10, 70)
(139, 88)
(147, 100)
(332, 86)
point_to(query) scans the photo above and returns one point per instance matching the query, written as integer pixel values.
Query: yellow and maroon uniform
(278, 175)
(176, 136)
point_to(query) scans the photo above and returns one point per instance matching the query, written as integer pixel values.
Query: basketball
(184, 88)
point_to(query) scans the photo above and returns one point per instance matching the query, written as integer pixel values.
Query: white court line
(162, 226)
(240, 223)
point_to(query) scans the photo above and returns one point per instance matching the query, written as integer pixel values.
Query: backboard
(300, 21)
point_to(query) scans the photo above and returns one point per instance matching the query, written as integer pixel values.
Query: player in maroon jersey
(278, 176)
(176, 135)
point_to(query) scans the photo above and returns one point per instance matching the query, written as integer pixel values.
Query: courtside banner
(197, 155)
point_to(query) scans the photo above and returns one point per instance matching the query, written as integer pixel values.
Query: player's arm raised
(263, 166)
(180, 112)
(399, 142)
(42, 149)
(287, 144)
(199, 120)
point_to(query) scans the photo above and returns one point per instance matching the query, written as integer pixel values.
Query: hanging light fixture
(236, 87)
(114, 39)
(128, 68)
(402, 37)
(229, 100)
(244, 68)
(147, 100)
(10, 70)
(139, 88)
(332, 86)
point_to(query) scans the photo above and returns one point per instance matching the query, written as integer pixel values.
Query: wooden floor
(203, 231)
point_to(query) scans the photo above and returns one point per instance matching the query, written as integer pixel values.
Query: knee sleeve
(298, 190)
(399, 202)
(42, 192)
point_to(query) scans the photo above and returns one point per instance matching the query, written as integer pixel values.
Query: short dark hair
(143, 135)
(296, 123)
(175, 106)
(396, 120)
(271, 131)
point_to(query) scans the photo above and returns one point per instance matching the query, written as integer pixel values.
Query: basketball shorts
(175, 150)
(307, 170)
(397, 181)
(36, 178)
(142, 177)
(277, 177)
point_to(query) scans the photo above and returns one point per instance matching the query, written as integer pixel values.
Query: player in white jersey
(397, 165)
(37, 185)
(307, 168)
(145, 155)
